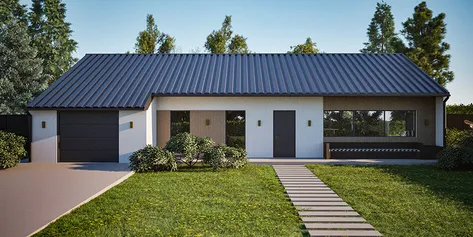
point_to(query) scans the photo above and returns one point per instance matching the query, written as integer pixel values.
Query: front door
(284, 132)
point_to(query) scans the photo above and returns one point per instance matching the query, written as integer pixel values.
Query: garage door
(88, 136)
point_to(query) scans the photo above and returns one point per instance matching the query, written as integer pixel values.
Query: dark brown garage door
(88, 136)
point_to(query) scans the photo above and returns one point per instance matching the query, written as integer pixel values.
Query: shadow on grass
(454, 185)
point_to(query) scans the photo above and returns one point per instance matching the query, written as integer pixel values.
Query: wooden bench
(372, 150)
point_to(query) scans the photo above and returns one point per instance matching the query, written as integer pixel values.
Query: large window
(365, 123)
(180, 122)
(235, 129)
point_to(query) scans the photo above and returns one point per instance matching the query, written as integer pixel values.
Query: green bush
(189, 147)
(236, 141)
(455, 158)
(152, 158)
(12, 149)
(222, 156)
(459, 138)
(460, 109)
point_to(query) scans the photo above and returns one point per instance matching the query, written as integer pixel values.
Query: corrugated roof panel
(128, 80)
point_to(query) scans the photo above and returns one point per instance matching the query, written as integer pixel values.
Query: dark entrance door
(284, 132)
(88, 136)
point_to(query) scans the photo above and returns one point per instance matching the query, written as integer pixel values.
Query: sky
(271, 26)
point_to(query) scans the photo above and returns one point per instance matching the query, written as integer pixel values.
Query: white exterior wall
(132, 139)
(44, 140)
(439, 121)
(259, 140)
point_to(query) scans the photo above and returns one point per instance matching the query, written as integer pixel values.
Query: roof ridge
(292, 54)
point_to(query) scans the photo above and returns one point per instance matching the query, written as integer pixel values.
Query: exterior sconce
(259, 123)
(309, 123)
(207, 122)
(426, 122)
(131, 124)
(43, 124)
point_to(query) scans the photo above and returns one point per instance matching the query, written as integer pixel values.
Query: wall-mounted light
(207, 122)
(131, 124)
(309, 123)
(426, 122)
(259, 123)
(43, 124)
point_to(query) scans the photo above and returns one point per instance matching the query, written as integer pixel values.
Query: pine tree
(21, 76)
(152, 41)
(308, 47)
(381, 32)
(425, 35)
(51, 36)
(221, 41)
(12, 9)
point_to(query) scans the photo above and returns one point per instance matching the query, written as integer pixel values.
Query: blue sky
(269, 25)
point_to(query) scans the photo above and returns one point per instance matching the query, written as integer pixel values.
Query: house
(275, 105)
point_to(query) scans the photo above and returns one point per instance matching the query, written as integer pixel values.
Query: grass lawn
(406, 200)
(193, 202)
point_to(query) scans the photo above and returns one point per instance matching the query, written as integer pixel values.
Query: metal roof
(129, 80)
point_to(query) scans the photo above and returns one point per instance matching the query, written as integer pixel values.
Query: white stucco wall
(132, 139)
(259, 140)
(44, 140)
(439, 121)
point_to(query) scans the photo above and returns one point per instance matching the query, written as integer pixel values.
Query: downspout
(30, 132)
(445, 120)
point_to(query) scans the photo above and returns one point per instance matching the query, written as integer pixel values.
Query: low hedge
(12, 149)
(152, 158)
(222, 156)
(458, 155)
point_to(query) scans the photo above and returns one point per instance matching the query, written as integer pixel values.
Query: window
(338, 123)
(365, 123)
(235, 128)
(180, 122)
(400, 123)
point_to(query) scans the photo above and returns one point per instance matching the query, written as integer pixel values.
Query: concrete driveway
(34, 194)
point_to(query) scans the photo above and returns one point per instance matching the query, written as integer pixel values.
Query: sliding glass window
(180, 122)
(369, 123)
(235, 129)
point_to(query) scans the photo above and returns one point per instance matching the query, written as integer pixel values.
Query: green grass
(406, 200)
(193, 202)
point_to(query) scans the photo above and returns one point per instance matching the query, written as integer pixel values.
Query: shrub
(222, 156)
(459, 138)
(460, 109)
(455, 158)
(189, 146)
(12, 149)
(152, 158)
(236, 141)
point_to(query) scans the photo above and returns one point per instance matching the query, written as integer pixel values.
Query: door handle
(276, 137)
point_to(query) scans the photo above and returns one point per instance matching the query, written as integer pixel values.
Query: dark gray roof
(128, 80)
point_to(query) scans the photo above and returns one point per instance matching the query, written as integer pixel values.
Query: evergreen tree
(21, 76)
(308, 47)
(425, 35)
(51, 36)
(12, 9)
(381, 32)
(221, 41)
(152, 41)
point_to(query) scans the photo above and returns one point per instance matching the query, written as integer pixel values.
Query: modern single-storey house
(275, 105)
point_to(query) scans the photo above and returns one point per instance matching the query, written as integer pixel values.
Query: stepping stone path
(322, 211)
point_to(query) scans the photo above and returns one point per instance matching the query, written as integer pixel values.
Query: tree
(381, 32)
(221, 41)
(51, 36)
(308, 47)
(12, 9)
(21, 72)
(152, 40)
(425, 35)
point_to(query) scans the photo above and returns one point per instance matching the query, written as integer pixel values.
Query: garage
(88, 136)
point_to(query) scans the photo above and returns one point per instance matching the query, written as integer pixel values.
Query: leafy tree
(51, 36)
(12, 9)
(21, 72)
(308, 47)
(152, 40)
(381, 32)
(425, 35)
(460, 109)
(221, 41)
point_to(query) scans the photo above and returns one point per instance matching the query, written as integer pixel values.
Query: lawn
(406, 200)
(193, 202)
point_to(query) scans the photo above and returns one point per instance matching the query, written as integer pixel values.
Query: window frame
(384, 122)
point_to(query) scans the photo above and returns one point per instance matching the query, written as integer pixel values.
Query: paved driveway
(34, 194)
